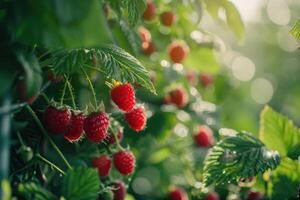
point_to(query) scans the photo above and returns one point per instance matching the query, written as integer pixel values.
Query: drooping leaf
(81, 184)
(34, 191)
(295, 30)
(279, 133)
(237, 157)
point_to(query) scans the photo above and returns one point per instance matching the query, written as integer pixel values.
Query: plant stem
(91, 86)
(115, 135)
(71, 92)
(63, 94)
(43, 130)
(23, 168)
(50, 163)
(20, 138)
(45, 97)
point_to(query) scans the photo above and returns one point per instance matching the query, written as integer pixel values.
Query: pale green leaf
(295, 30)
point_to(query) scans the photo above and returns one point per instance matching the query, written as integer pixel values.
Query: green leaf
(278, 132)
(120, 65)
(236, 157)
(295, 30)
(135, 9)
(212, 7)
(5, 190)
(35, 191)
(81, 184)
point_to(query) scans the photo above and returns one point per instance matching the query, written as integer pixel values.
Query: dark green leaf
(237, 157)
(81, 184)
(135, 9)
(35, 191)
(295, 30)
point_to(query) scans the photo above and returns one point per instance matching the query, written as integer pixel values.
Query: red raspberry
(96, 126)
(167, 100)
(150, 10)
(178, 194)
(212, 196)
(123, 96)
(253, 195)
(119, 190)
(55, 78)
(168, 18)
(206, 80)
(124, 162)
(136, 119)
(179, 97)
(111, 138)
(144, 34)
(204, 137)
(57, 120)
(21, 87)
(178, 52)
(103, 163)
(191, 77)
(148, 48)
(75, 129)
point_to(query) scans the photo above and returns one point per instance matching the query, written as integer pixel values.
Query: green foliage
(278, 132)
(114, 62)
(81, 184)
(34, 191)
(295, 30)
(5, 190)
(236, 157)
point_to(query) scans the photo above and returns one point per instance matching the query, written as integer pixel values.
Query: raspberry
(96, 126)
(111, 138)
(57, 120)
(167, 100)
(179, 97)
(178, 52)
(204, 137)
(191, 76)
(178, 194)
(150, 10)
(168, 18)
(55, 78)
(148, 48)
(253, 195)
(123, 96)
(136, 119)
(212, 196)
(124, 162)
(21, 87)
(75, 128)
(103, 163)
(144, 34)
(206, 80)
(119, 190)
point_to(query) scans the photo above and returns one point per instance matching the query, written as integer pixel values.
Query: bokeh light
(243, 68)
(261, 90)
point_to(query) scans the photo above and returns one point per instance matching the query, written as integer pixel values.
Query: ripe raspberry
(136, 119)
(150, 10)
(253, 195)
(123, 96)
(191, 76)
(57, 120)
(178, 52)
(55, 78)
(206, 80)
(204, 137)
(119, 190)
(144, 34)
(75, 128)
(148, 48)
(212, 196)
(111, 138)
(103, 163)
(96, 126)
(21, 87)
(179, 97)
(178, 194)
(168, 18)
(167, 100)
(124, 162)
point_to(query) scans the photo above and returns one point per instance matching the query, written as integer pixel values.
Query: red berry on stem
(179, 97)
(57, 120)
(21, 87)
(178, 52)
(206, 80)
(96, 126)
(119, 190)
(103, 164)
(254, 195)
(148, 48)
(212, 196)
(144, 34)
(168, 18)
(150, 10)
(204, 138)
(124, 162)
(123, 95)
(75, 128)
(136, 119)
(178, 194)
(111, 138)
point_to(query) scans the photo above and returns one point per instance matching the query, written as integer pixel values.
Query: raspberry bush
(145, 100)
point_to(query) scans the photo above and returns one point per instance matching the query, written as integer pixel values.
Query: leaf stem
(90, 85)
(20, 138)
(71, 92)
(63, 94)
(43, 130)
(50, 163)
